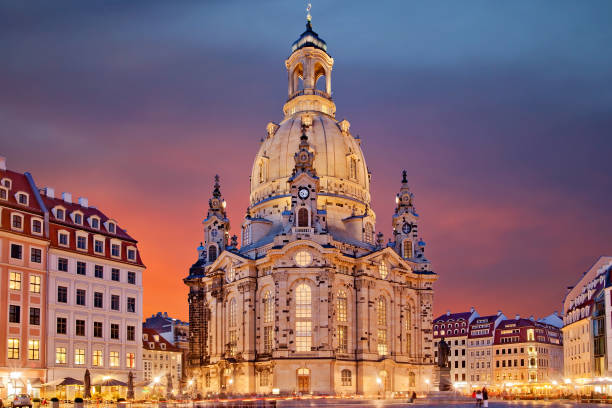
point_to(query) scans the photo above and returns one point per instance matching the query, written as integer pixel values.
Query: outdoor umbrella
(111, 382)
(130, 390)
(168, 385)
(63, 382)
(87, 384)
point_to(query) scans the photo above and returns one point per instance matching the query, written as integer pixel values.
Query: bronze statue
(443, 353)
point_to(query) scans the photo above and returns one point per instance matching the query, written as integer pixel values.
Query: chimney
(83, 202)
(2, 163)
(448, 312)
(67, 197)
(50, 192)
(517, 317)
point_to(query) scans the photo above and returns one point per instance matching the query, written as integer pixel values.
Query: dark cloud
(499, 111)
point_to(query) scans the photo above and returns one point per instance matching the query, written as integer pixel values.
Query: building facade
(175, 331)
(71, 289)
(587, 329)
(527, 353)
(313, 300)
(481, 336)
(454, 329)
(23, 283)
(162, 363)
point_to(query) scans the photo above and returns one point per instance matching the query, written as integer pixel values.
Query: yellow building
(161, 362)
(313, 301)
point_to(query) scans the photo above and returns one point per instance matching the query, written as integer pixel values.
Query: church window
(212, 253)
(233, 342)
(268, 335)
(381, 315)
(407, 248)
(207, 380)
(231, 273)
(264, 378)
(342, 306)
(382, 269)
(261, 173)
(232, 313)
(303, 258)
(343, 339)
(369, 233)
(353, 169)
(303, 313)
(268, 303)
(345, 377)
(302, 217)
(407, 321)
(246, 235)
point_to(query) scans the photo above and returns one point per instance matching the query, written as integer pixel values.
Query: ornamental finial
(308, 16)
(404, 177)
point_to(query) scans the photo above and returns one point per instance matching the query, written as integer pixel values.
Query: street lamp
(379, 382)
(427, 382)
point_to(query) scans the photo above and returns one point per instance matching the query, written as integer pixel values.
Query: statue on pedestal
(443, 380)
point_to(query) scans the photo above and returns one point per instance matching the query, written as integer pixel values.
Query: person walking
(485, 397)
(479, 398)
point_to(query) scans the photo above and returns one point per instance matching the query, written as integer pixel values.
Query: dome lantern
(309, 70)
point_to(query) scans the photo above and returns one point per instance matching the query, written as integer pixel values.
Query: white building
(161, 359)
(94, 294)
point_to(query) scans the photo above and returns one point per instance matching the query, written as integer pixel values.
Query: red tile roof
(152, 344)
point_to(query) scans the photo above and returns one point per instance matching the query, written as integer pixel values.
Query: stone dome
(339, 161)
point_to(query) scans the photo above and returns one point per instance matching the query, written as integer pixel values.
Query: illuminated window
(303, 258)
(408, 323)
(114, 359)
(381, 317)
(231, 273)
(268, 336)
(232, 313)
(342, 305)
(382, 269)
(353, 169)
(15, 281)
(407, 248)
(233, 342)
(60, 355)
(33, 349)
(79, 356)
(34, 284)
(130, 360)
(261, 173)
(343, 339)
(13, 349)
(303, 314)
(98, 360)
(345, 377)
(530, 335)
(268, 303)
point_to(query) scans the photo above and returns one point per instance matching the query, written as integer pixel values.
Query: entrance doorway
(303, 379)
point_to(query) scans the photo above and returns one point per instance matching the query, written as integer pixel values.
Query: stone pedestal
(442, 381)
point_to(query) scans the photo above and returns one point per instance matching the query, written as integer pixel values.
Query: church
(313, 300)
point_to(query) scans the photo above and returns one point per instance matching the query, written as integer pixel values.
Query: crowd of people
(482, 397)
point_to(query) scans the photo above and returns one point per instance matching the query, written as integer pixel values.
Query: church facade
(313, 300)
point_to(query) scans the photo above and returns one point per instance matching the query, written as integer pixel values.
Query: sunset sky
(501, 112)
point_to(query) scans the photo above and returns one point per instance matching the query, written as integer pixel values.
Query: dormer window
(78, 218)
(162, 346)
(17, 221)
(36, 226)
(59, 213)
(116, 250)
(94, 222)
(151, 345)
(156, 337)
(3, 193)
(63, 238)
(22, 198)
(111, 227)
(6, 183)
(131, 254)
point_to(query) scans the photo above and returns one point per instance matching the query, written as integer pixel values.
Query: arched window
(369, 233)
(381, 317)
(353, 169)
(342, 317)
(382, 269)
(302, 217)
(345, 377)
(232, 313)
(303, 314)
(212, 253)
(407, 248)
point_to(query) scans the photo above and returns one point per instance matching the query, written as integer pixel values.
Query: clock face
(303, 193)
(406, 228)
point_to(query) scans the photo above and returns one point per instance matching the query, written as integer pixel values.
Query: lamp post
(156, 381)
(379, 382)
(427, 383)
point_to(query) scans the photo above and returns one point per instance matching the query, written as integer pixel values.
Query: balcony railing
(309, 92)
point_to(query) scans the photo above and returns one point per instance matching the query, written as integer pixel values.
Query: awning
(63, 381)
